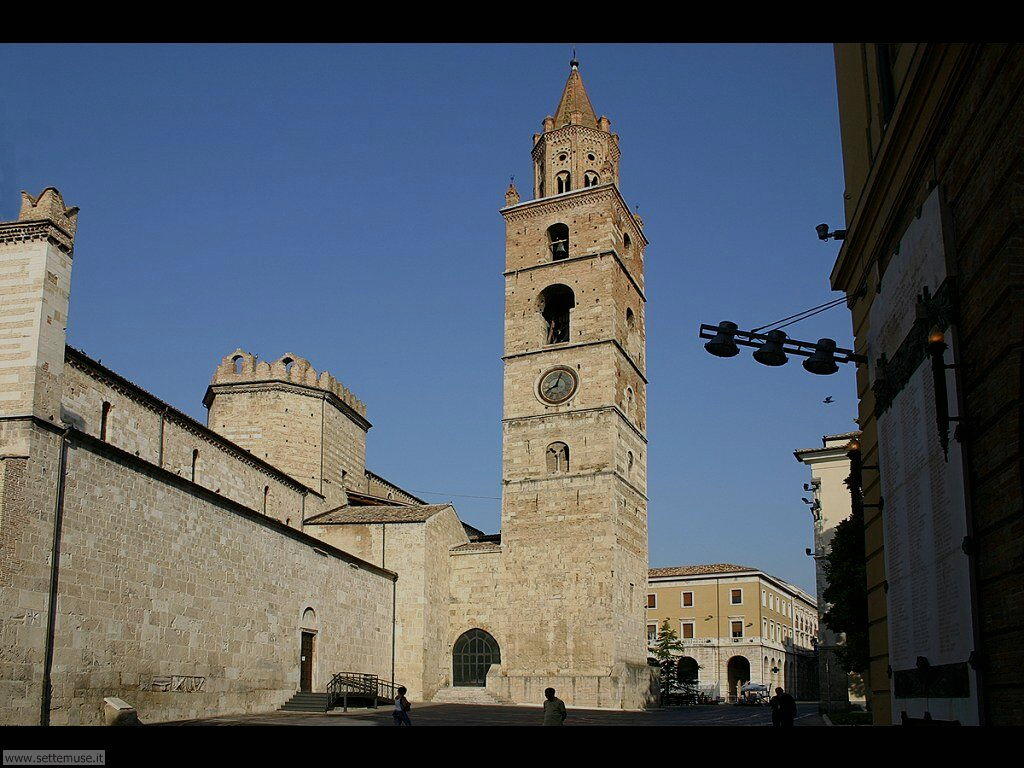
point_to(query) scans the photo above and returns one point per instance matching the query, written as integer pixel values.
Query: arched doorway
(472, 656)
(687, 670)
(738, 670)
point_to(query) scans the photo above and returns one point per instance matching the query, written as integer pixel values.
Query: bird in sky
(828, 400)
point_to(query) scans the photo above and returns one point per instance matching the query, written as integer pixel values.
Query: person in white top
(402, 706)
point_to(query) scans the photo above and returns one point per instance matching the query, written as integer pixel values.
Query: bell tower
(574, 452)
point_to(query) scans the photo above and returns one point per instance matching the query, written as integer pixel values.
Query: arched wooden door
(472, 656)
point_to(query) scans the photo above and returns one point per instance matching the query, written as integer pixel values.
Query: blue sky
(341, 203)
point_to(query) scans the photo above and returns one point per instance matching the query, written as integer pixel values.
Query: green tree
(846, 593)
(667, 642)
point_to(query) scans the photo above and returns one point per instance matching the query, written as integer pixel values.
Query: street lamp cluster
(772, 348)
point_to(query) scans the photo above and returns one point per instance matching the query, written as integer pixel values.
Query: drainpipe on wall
(51, 619)
(394, 586)
(163, 421)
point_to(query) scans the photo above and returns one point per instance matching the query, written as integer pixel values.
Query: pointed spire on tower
(512, 194)
(575, 107)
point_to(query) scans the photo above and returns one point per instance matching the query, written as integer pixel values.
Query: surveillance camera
(822, 230)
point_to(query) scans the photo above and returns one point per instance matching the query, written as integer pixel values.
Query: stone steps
(306, 701)
(464, 695)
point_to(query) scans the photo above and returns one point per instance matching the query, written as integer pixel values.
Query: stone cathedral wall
(144, 426)
(170, 596)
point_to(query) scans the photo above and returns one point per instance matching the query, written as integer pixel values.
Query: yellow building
(736, 625)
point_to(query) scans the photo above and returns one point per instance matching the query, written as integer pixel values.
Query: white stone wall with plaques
(931, 626)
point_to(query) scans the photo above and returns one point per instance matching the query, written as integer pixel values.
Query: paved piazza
(475, 714)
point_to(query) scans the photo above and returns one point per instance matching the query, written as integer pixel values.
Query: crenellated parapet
(43, 217)
(242, 367)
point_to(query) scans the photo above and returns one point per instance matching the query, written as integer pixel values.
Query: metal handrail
(359, 685)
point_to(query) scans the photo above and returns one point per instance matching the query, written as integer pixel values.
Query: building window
(564, 182)
(104, 420)
(736, 596)
(558, 241)
(652, 601)
(591, 179)
(555, 304)
(629, 462)
(266, 493)
(558, 458)
(686, 630)
(652, 634)
(764, 628)
(626, 242)
(687, 599)
(195, 460)
(736, 626)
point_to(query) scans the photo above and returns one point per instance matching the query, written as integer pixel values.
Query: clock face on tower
(557, 385)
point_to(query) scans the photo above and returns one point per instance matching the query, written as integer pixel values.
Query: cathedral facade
(196, 569)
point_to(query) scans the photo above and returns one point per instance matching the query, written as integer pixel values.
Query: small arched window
(591, 179)
(557, 457)
(237, 362)
(288, 363)
(564, 182)
(104, 420)
(630, 319)
(195, 460)
(558, 241)
(627, 243)
(266, 494)
(555, 304)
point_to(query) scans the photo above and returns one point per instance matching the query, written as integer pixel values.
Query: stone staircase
(465, 695)
(306, 701)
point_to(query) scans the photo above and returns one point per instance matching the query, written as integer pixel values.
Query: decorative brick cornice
(575, 199)
(14, 232)
(568, 131)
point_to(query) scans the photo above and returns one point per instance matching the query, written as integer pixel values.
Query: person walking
(783, 709)
(400, 713)
(554, 708)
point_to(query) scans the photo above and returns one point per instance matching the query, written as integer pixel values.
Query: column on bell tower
(574, 508)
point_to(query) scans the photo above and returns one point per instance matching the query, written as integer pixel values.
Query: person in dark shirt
(554, 708)
(783, 709)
